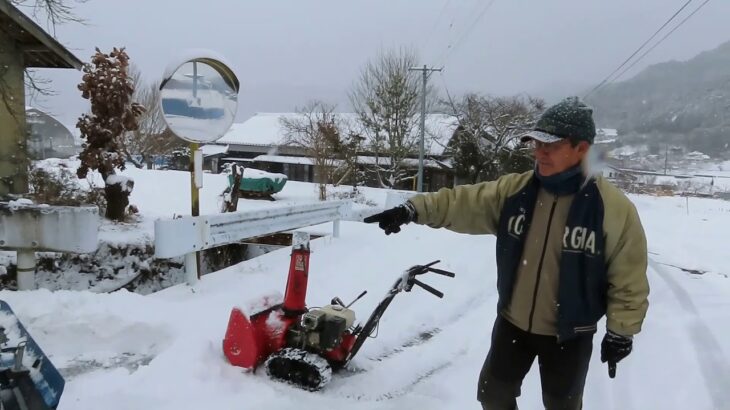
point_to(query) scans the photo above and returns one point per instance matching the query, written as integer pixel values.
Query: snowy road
(163, 351)
(714, 364)
(126, 351)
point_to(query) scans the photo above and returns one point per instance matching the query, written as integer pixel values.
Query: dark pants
(563, 368)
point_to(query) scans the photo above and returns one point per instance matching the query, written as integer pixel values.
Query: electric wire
(435, 23)
(638, 50)
(659, 42)
(451, 48)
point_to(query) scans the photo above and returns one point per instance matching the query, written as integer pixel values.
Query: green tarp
(261, 184)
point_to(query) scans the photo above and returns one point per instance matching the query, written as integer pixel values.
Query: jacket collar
(567, 182)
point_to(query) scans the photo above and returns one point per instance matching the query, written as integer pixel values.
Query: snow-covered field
(163, 351)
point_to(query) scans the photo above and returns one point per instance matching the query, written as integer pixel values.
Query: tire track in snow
(715, 371)
(423, 337)
(422, 377)
(439, 348)
(129, 361)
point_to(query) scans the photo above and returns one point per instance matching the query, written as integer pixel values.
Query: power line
(435, 23)
(451, 48)
(659, 42)
(451, 25)
(638, 49)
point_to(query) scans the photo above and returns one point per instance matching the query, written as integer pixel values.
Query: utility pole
(425, 71)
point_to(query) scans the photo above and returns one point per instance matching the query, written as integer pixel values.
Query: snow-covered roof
(283, 159)
(213, 149)
(697, 155)
(37, 116)
(363, 160)
(411, 162)
(237, 159)
(261, 129)
(440, 128)
(606, 136)
(265, 129)
(607, 132)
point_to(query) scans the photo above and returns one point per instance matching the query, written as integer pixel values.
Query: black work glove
(614, 348)
(391, 219)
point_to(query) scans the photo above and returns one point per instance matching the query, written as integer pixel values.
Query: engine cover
(340, 311)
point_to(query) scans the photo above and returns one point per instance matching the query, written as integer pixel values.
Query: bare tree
(317, 130)
(486, 144)
(54, 11)
(151, 137)
(107, 85)
(386, 100)
(348, 149)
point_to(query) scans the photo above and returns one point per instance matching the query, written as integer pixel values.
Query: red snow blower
(304, 346)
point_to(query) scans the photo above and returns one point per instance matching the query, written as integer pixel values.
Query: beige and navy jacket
(562, 261)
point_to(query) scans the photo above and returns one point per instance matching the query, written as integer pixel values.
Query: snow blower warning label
(299, 262)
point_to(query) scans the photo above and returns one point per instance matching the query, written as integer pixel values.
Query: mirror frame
(213, 60)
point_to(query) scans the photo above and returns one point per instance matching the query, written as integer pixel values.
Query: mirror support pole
(194, 184)
(192, 267)
(198, 99)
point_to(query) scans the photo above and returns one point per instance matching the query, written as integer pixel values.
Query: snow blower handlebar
(404, 283)
(409, 278)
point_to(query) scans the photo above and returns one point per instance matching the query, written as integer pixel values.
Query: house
(606, 137)
(47, 137)
(260, 142)
(260, 136)
(696, 156)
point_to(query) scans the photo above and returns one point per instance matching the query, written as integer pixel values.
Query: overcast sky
(286, 52)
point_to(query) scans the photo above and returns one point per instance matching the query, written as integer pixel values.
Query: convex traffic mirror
(199, 98)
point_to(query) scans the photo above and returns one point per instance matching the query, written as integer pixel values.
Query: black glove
(614, 348)
(391, 219)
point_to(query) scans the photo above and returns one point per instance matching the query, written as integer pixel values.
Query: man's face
(559, 156)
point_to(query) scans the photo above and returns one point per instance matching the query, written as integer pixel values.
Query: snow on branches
(108, 86)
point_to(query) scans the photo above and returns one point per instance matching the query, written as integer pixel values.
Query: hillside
(685, 102)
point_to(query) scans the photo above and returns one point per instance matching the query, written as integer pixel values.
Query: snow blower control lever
(404, 283)
(303, 346)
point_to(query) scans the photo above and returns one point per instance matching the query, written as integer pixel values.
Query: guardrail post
(191, 268)
(336, 228)
(26, 269)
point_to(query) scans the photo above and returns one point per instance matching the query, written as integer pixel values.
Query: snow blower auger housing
(304, 346)
(28, 379)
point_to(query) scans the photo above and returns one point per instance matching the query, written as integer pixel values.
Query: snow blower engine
(304, 346)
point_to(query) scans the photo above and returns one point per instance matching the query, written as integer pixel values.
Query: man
(570, 248)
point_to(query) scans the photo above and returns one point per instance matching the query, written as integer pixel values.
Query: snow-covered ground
(163, 351)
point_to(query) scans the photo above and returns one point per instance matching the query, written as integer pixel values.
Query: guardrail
(29, 228)
(190, 234)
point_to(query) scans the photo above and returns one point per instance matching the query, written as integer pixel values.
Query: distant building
(606, 136)
(260, 142)
(47, 137)
(696, 156)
